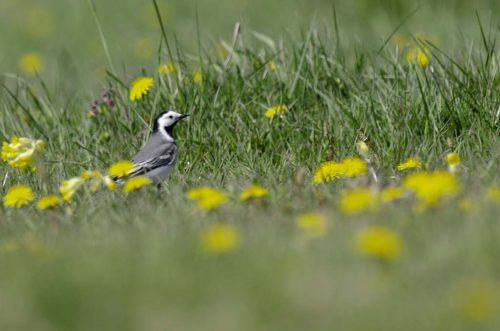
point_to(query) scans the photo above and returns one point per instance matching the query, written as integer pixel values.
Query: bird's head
(166, 121)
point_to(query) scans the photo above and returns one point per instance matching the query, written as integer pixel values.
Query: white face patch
(169, 119)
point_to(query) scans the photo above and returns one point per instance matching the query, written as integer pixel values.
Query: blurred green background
(65, 35)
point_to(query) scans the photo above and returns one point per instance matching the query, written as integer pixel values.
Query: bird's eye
(170, 116)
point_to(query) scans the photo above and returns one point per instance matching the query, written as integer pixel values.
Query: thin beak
(184, 116)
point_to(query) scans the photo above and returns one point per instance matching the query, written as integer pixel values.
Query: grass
(107, 260)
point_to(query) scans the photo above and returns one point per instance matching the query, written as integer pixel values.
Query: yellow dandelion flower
(48, 201)
(493, 193)
(140, 87)
(417, 55)
(135, 183)
(279, 110)
(392, 193)
(121, 168)
(357, 201)
(475, 300)
(197, 76)
(253, 191)
(31, 64)
(431, 187)
(167, 68)
(410, 163)
(313, 225)
(330, 170)
(353, 167)
(69, 187)
(20, 152)
(208, 198)
(18, 196)
(379, 242)
(327, 172)
(87, 174)
(220, 238)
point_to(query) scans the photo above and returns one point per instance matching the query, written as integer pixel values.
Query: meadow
(339, 170)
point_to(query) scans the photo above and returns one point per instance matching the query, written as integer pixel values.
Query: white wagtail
(158, 157)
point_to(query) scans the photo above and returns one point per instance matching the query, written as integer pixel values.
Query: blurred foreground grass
(139, 261)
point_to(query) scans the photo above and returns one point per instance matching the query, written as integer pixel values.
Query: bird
(158, 157)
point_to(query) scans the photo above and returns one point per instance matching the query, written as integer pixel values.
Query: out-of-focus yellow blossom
(97, 179)
(379, 242)
(220, 238)
(392, 193)
(417, 55)
(357, 201)
(197, 76)
(493, 193)
(69, 187)
(208, 198)
(143, 48)
(140, 87)
(410, 163)
(313, 225)
(453, 160)
(272, 66)
(279, 110)
(476, 300)
(362, 148)
(135, 183)
(330, 170)
(253, 191)
(121, 168)
(10, 246)
(48, 201)
(31, 64)
(20, 152)
(465, 204)
(167, 68)
(18, 196)
(39, 22)
(401, 40)
(431, 187)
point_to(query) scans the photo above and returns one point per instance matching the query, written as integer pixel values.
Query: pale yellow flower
(31, 64)
(140, 87)
(379, 242)
(208, 198)
(135, 183)
(410, 163)
(220, 238)
(48, 201)
(121, 168)
(20, 152)
(197, 76)
(18, 196)
(253, 191)
(417, 55)
(453, 160)
(272, 66)
(279, 110)
(313, 225)
(69, 187)
(357, 201)
(167, 68)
